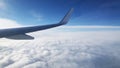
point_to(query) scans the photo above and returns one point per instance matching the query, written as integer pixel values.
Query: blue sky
(86, 12)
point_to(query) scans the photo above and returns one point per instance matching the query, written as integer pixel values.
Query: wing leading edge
(21, 31)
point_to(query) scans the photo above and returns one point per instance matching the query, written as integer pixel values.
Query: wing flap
(20, 37)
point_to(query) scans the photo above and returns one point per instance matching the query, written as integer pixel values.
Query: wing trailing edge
(19, 37)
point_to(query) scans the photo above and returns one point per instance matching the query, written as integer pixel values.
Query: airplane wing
(12, 32)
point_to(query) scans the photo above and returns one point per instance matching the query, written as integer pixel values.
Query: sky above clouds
(86, 12)
(90, 40)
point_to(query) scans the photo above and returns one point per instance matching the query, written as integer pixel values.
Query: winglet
(66, 17)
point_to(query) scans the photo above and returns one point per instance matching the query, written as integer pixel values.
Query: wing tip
(66, 17)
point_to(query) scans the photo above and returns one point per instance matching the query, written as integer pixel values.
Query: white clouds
(7, 23)
(63, 50)
(95, 49)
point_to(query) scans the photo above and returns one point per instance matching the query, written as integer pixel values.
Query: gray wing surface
(22, 30)
(20, 37)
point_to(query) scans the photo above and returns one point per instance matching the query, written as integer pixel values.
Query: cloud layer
(59, 49)
(97, 49)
